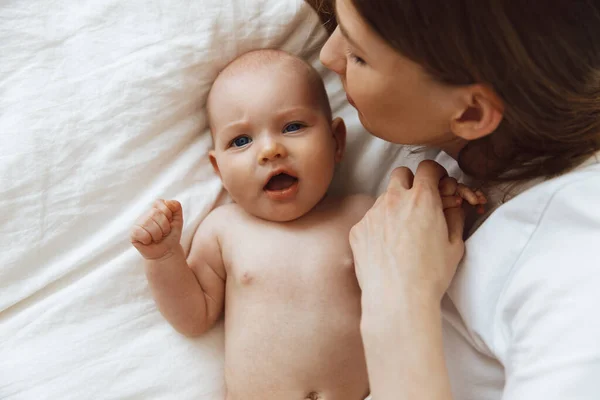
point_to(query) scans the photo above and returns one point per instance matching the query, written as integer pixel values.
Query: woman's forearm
(404, 349)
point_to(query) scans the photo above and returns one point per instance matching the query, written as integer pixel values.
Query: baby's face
(275, 148)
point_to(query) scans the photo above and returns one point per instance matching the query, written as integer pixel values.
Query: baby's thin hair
(256, 59)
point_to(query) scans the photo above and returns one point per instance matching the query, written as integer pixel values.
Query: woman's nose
(332, 54)
(270, 151)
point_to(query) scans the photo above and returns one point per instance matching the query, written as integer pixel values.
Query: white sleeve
(549, 313)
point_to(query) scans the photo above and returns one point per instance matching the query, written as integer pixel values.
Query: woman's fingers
(378, 200)
(404, 240)
(448, 186)
(429, 173)
(401, 178)
(455, 218)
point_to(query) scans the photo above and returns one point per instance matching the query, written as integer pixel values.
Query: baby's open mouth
(280, 182)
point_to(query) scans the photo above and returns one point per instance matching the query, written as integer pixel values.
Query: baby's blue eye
(293, 127)
(241, 141)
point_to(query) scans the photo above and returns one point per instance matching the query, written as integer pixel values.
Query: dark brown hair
(541, 57)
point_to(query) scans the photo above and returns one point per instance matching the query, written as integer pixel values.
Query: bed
(101, 112)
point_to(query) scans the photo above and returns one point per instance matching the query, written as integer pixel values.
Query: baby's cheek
(235, 188)
(321, 173)
(322, 155)
(232, 184)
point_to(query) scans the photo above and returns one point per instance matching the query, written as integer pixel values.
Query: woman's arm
(406, 251)
(404, 349)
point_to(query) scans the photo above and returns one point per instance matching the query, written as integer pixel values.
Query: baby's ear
(213, 161)
(338, 129)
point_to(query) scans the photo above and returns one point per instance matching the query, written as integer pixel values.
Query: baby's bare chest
(291, 256)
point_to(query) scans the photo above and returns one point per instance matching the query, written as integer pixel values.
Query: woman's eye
(241, 141)
(293, 127)
(355, 59)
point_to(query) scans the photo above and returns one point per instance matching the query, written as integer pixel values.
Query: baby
(278, 259)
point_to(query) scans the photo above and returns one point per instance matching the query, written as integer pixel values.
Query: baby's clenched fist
(157, 233)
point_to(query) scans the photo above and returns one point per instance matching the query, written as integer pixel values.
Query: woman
(511, 90)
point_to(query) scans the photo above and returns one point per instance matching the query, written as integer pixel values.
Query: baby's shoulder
(222, 216)
(355, 206)
(360, 200)
(226, 210)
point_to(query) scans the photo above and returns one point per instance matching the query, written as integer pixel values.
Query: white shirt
(522, 317)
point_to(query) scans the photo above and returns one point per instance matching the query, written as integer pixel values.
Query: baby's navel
(313, 396)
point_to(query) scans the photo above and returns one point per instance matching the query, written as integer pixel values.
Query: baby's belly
(294, 350)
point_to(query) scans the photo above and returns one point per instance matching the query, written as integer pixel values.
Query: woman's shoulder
(546, 313)
(528, 288)
(583, 176)
(557, 221)
(562, 218)
(536, 250)
(556, 200)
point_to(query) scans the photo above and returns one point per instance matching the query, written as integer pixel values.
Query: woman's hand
(407, 244)
(406, 250)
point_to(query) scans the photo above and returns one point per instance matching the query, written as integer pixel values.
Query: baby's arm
(188, 292)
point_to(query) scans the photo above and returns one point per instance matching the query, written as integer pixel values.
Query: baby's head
(275, 143)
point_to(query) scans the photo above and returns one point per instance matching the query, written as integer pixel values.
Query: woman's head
(513, 86)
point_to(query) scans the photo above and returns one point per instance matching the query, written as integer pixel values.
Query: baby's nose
(271, 151)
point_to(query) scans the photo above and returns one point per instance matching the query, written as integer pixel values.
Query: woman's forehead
(357, 32)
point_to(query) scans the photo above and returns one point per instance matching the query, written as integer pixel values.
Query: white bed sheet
(101, 112)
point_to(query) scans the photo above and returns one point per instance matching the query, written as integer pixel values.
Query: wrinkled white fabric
(101, 112)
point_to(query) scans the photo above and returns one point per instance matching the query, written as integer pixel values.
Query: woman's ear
(213, 161)
(338, 128)
(480, 115)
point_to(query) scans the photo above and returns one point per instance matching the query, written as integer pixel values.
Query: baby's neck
(326, 202)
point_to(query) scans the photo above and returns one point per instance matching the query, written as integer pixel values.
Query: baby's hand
(453, 194)
(157, 233)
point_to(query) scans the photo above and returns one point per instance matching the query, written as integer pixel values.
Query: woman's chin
(374, 131)
(365, 123)
(395, 137)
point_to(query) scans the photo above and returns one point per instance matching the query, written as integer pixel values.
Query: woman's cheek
(357, 88)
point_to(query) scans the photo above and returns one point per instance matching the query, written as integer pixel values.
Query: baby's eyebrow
(223, 135)
(294, 110)
(234, 126)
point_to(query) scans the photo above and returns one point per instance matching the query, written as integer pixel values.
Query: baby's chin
(285, 212)
(280, 215)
